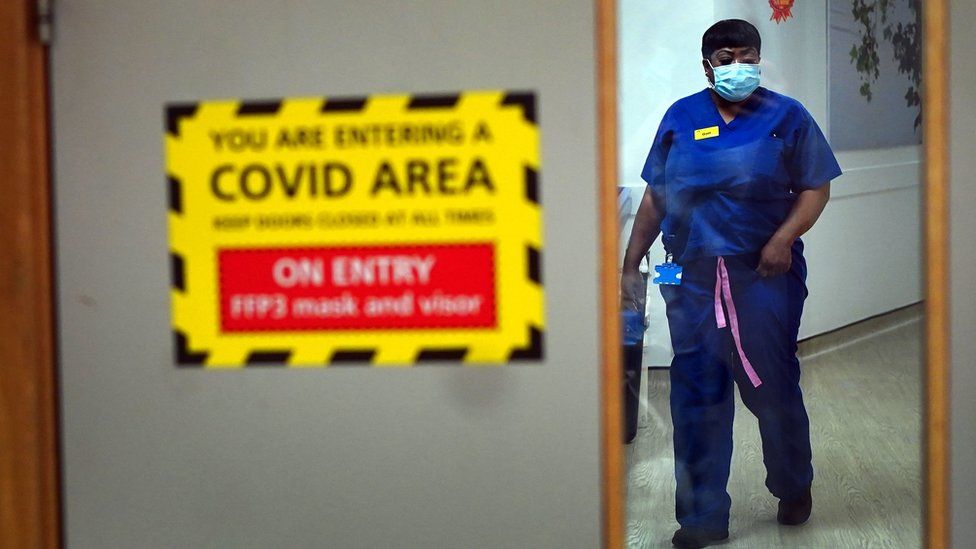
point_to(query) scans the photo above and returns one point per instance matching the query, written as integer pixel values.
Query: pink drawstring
(724, 290)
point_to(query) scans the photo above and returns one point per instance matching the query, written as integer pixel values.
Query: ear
(709, 73)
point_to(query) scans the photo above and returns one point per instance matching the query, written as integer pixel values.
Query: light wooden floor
(864, 405)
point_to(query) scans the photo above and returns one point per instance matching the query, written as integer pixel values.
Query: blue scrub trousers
(705, 364)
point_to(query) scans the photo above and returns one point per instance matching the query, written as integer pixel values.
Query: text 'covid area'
(333, 179)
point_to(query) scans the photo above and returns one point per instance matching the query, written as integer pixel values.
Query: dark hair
(730, 33)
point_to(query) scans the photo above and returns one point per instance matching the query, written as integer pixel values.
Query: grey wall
(962, 229)
(856, 123)
(155, 456)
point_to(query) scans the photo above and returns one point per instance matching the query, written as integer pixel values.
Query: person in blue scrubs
(735, 174)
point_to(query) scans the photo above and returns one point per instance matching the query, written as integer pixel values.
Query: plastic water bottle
(633, 327)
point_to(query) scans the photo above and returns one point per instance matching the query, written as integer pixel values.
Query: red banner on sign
(357, 288)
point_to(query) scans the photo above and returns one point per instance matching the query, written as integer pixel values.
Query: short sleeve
(653, 172)
(811, 163)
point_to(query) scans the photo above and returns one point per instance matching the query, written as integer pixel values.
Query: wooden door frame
(936, 527)
(613, 508)
(935, 210)
(29, 474)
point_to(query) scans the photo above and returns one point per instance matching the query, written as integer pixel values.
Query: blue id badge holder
(669, 272)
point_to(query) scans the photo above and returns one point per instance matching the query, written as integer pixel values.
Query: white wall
(863, 254)
(658, 62)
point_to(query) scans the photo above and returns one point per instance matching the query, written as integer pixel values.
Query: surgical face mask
(736, 81)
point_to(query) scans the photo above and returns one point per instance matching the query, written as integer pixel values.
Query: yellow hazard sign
(384, 230)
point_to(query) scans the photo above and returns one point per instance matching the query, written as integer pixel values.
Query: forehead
(745, 50)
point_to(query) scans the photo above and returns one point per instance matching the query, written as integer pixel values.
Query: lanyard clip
(668, 240)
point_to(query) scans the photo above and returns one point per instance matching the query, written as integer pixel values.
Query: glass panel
(812, 343)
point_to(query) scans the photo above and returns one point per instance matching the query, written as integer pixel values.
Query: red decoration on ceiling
(781, 10)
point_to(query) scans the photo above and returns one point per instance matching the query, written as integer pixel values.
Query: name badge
(706, 133)
(668, 274)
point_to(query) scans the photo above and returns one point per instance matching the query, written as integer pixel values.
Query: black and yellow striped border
(185, 356)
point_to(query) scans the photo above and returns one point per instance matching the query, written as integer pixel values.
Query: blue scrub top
(726, 188)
